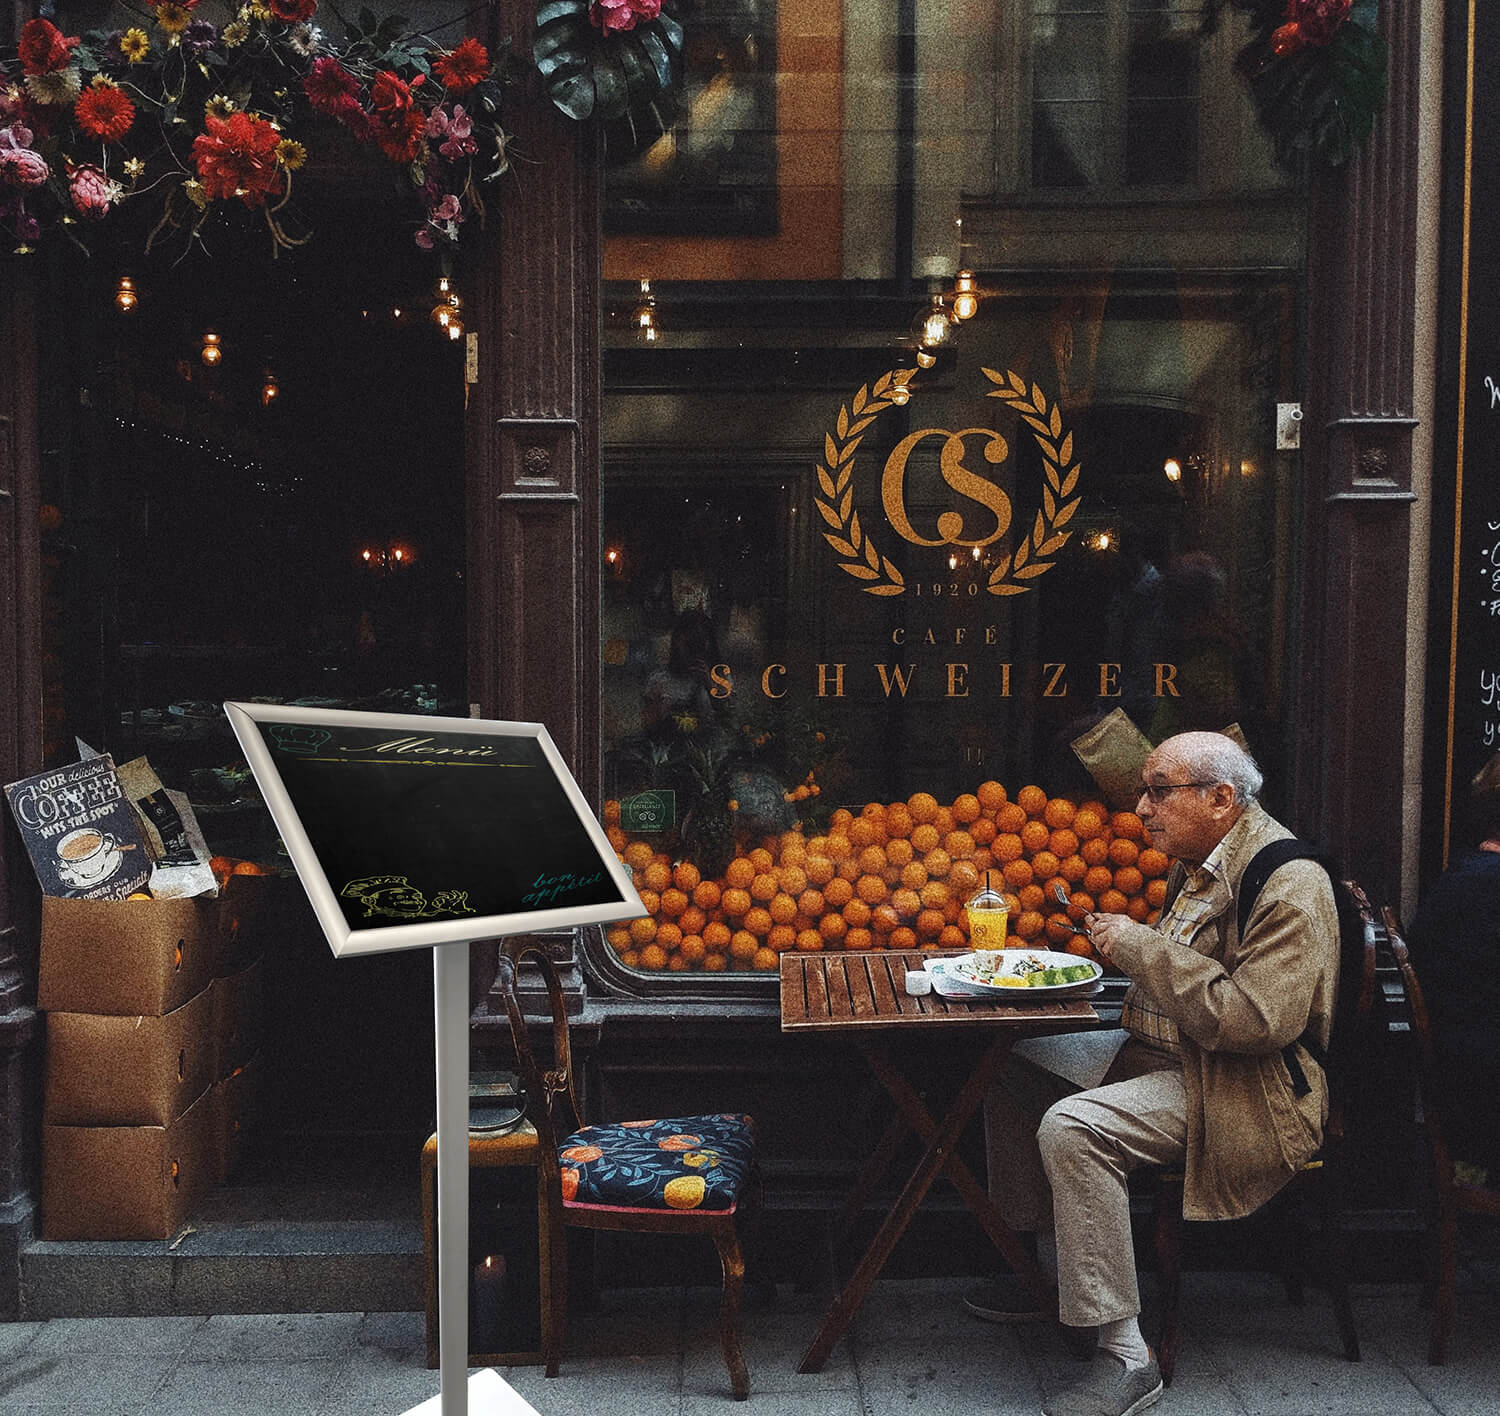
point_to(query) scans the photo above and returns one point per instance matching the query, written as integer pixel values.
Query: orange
(965, 808)
(983, 860)
(1012, 902)
(809, 941)
(1028, 925)
(706, 896)
(740, 873)
(618, 839)
(952, 937)
(1010, 817)
(1059, 928)
(963, 878)
(783, 908)
(925, 838)
(1044, 865)
(692, 948)
(743, 945)
(1152, 862)
(1072, 869)
(907, 902)
(765, 960)
(898, 820)
(1129, 880)
(871, 889)
(631, 958)
(819, 869)
(871, 860)
(1017, 873)
(943, 821)
(833, 928)
(1153, 916)
(1032, 800)
(638, 855)
(922, 805)
(860, 939)
(1123, 851)
(930, 924)
(1112, 902)
(1062, 843)
(982, 831)
(883, 918)
(1080, 904)
(1034, 836)
(1127, 824)
(959, 845)
(650, 901)
(716, 936)
(714, 963)
(874, 810)
(1007, 847)
(781, 938)
(837, 893)
(736, 902)
(1098, 879)
(793, 850)
(673, 903)
(761, 859)
(685, 876)
(857, 914)
(1095, 850)
(653, 956)
(1138, 909)
(903, 937)
(1087, 824)
(757, 921)
(1097, 807)
(1031, 897)
(1156, 892)
(991, 796)
(1059, 812)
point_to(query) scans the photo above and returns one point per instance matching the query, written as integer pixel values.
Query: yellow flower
(133, 168)
(196, 193)
(260, 9)
(290, 154)
(102, 81)
(135, 45)
(220, 106)
(234, 34)
(172, 17)
(55, 87)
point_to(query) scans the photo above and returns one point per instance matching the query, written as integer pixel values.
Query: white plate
(961, 970)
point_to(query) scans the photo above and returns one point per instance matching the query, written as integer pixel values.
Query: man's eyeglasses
(1155, 792)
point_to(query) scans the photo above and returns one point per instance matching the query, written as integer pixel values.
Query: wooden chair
(1315, 1184)
(1455, 1197)
(680, 1175)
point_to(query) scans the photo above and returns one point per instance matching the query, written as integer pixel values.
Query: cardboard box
(252, 917)
(126, 1182)
(239, 1013)
(125, 957)
(236, 1111)
(106, 1070)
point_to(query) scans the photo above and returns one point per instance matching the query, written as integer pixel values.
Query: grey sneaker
(1109, 1389)
(1005, 1299)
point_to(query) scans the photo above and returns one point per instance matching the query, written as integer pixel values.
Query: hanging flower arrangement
(201, 118)
(1317, 72)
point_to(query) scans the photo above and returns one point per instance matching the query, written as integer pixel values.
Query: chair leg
(554, 1297)
(733, 1262)
(1444, 1300)
(1336, 1271)
(1168, 1244)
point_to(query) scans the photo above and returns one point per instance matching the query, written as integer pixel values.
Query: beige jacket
(1237, 1003)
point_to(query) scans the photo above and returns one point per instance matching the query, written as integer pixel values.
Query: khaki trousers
(1059, 1158)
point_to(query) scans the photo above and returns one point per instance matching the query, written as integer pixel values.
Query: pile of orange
(895, 876)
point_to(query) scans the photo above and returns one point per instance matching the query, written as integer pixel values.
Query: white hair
(1214, 758)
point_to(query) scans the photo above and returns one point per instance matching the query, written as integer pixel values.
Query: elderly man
(1195, 1076)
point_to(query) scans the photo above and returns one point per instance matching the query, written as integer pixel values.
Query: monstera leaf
(629, 77)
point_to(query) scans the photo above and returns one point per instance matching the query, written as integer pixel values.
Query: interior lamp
(1173, 468)
(126, 298)
(212, 350)
(643, 317)
(965, 296)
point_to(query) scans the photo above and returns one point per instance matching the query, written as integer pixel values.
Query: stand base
(489, 1395)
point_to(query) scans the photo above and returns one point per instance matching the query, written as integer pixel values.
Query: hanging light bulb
(965, 296)
(212, 351)
(1173, 468)
(644, 315)
(445, 310)
(126, 298)
(270, 390)
(932, 327)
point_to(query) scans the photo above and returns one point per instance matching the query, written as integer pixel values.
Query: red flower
(105, 112)
(400, 136)
(466, 66)
(613, 16)
(390, 96)
(329, 85)
(1309, 23)
(43, 47)
(236, 157)
(293, 12)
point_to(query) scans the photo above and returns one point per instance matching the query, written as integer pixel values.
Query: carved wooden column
(20, 755)
(1357, 438)
(534, 433)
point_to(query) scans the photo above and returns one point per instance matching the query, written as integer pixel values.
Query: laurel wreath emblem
(1014, 575)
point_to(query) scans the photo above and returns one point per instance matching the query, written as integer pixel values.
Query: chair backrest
(551, 1094)
(1353, 1017)
(1421, 1031)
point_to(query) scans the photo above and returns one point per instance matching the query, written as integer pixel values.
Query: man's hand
(1107, 930)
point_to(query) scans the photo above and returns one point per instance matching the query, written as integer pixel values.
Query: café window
(929, 505)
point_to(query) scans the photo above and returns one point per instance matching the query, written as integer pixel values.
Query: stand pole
(450, 992)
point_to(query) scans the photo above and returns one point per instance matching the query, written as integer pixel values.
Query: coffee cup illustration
(87, 856)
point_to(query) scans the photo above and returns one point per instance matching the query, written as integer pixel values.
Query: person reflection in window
(679, 701)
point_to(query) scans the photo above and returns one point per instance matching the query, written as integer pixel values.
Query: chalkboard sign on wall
(409, 831)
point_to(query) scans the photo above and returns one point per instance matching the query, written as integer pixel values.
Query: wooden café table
(863, 997)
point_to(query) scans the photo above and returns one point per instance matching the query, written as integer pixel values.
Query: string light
(212, 350)
(126, 298)
(965, 298)
(644, 315)
(1173, 468)
(270, 390)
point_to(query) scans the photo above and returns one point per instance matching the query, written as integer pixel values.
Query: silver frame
(346, 941)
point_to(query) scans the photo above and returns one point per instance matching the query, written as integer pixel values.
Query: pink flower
(456, 129)
(92, 192)
(19, 165)
(617, 16)
(424, 238)
(447, 210)
(328, 85)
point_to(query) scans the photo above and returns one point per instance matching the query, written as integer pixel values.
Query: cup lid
(988, 899)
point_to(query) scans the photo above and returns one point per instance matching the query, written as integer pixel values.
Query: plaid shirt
(1139, 1015)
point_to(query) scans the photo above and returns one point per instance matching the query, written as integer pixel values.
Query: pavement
(1245, 1351)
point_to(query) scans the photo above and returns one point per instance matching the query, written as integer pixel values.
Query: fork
(1061, 896)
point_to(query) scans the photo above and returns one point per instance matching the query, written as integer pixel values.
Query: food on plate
(1019, 969)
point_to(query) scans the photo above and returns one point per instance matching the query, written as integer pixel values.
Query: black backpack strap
(1268, 859)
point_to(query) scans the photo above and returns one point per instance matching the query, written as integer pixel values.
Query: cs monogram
(992, 514)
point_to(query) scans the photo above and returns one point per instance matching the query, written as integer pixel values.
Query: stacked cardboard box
(152, 1008)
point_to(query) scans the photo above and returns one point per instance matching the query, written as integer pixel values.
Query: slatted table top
(829, 991)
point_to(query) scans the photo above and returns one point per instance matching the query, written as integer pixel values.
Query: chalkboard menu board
(1471, 363)
(409, 831)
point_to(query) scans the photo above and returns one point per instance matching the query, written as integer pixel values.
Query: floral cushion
(685, 1163)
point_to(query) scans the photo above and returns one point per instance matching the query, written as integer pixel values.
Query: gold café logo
(1014, 574)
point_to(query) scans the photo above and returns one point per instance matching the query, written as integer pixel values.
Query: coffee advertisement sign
(81, 831)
